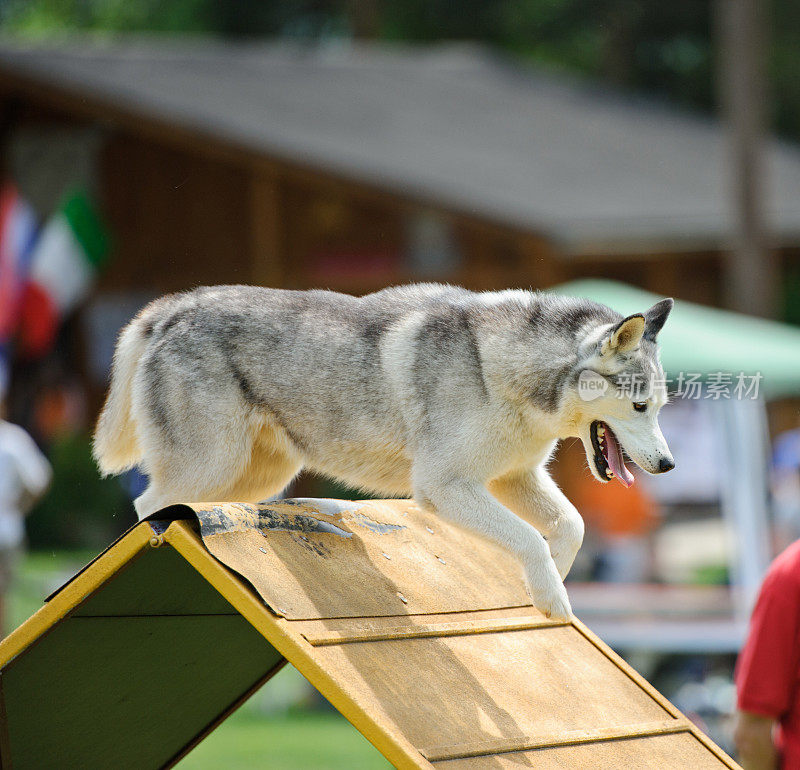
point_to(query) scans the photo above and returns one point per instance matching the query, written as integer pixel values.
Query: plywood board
(323, 559)
(465, 668)
(420, 634)
(490, 686)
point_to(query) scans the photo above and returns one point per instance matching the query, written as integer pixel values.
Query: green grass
(39, 574)
(266, 732)
(294, 741)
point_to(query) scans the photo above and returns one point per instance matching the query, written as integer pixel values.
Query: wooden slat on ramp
(419, 633)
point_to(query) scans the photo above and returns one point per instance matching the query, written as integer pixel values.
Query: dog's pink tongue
(615, 461)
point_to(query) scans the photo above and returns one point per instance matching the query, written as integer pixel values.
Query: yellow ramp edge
(421, 634)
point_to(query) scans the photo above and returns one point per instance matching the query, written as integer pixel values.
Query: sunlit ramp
(420, 634)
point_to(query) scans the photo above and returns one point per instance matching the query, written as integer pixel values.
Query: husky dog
(454, 397)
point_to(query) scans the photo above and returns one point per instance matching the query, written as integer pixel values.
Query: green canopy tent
(705, 340)
(709, 342)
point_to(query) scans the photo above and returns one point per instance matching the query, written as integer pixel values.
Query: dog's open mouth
(608, 454)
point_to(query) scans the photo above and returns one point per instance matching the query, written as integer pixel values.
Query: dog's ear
(625, 336)
(656, 317)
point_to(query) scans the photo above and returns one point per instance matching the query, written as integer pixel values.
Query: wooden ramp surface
(420, 634)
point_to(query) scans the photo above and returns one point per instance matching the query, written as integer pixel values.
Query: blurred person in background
(768, 721)
(24, 476)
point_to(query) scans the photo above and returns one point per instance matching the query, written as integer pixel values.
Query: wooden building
(353, 168)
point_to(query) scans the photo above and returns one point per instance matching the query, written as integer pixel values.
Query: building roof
(592, 169)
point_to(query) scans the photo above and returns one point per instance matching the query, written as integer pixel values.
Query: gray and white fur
(454, 397)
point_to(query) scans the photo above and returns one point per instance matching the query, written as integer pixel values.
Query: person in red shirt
(768, 723)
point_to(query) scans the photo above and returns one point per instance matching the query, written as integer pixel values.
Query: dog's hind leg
(535, 497)
(246, 464)
(195, 461)
(171, 482)
(270, 470)
(152, 500)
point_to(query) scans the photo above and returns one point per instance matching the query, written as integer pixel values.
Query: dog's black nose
(665, 465)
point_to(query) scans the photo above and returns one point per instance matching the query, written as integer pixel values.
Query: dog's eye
(640, 406)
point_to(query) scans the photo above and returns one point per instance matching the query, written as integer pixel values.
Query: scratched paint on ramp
(324, 559)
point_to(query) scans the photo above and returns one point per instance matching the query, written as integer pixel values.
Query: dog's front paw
(548, 595)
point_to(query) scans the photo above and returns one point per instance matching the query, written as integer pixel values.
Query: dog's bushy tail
(115, 445)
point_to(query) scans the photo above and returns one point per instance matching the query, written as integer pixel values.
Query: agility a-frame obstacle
(420, 634)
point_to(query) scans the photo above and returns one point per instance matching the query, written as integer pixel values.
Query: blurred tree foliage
(665, 48)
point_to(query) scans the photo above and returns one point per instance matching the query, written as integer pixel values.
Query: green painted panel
(127, 692)
(159, 582)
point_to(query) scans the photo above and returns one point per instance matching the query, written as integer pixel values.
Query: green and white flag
(70, 249)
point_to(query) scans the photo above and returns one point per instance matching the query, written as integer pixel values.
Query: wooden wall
(693, 276)
(187, 210)
(181, 220)
(178, 220)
